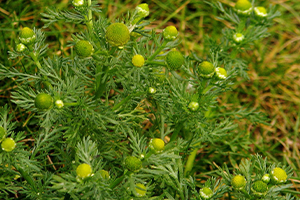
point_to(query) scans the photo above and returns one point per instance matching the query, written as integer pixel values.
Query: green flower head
(20, 47)
(206, 69)
(221, 73)
(259, 188)
(170, 33)
(238, 37)
(59, 103)
(138, 60)
(8, 144)
(266, 178)
(142, 10)
(260, 11)
(140, 190)
(27, 36)
(133, 164)
(193, 106)
(104, 174)
(243, 7)
(206, 193)
(43, 101)
(174, 60)
(238, 182)
(84, 48)
(117, 35)
(78, 3)
(278, 175)
(84, 170)
(157, 145)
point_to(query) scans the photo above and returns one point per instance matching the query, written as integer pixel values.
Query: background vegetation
(273, 88)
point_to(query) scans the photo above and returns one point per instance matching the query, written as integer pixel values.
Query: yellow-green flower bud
(138, 60)
(243, 7)
(140, 190)
(259, 188)
(174, 60)
(238, 37)
(8, 144)
(133, 163)
(278, 175)
(157, 145)
(84, 170)
(152, 90)
(206, 193)
(221, 73)
(20, 47)
(266, 178)
(2, 133)
(238, 182)
(260, 11)
(170, 33)
(104, 174)
(59, 103)
(43, 101)
(193, 106)
(27, 36)
(206, 69)
(142, 10)
(78, 3)
(84, 48)
(117, 35)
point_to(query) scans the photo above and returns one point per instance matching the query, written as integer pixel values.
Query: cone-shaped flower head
(206, 193)
(138, 60)
(266, 178)
(84, 170)
(170, 33)
(117, 35)
(27, 36)
(221, 73)
(238, 182)
(8, 144)
(84, 48)
(133, 163)
(140, 190)
(78, 3)
(43, 101)
(238, 37)
(278, 175)
(243, 7)
(59, 103)
(142, 10)
(206, 69)
(104, 174)
(20, 47)
(259, 188)
(193, 106)
(260, 11)
(157, 145)
(152, 90)
(174, 60)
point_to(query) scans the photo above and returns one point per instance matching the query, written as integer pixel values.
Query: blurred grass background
(274, 69)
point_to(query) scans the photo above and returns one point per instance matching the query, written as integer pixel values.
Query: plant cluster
(125, 115)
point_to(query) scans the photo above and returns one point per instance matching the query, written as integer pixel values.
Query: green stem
(100, 86)
(89, 18)
(119, 180)
(176, 132)
(158, 51)
(125, 100)
(155, 63)
(71, 104)
(34, 57)
(27, 178)
(190, 162)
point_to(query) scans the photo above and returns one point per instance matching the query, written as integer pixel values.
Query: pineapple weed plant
(124, 117)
